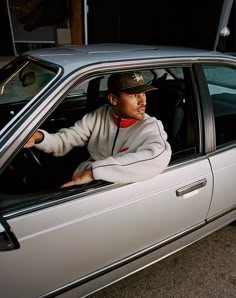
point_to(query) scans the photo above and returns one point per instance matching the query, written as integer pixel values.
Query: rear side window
(222, 88)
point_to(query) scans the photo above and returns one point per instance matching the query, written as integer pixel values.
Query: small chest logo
(124, 149)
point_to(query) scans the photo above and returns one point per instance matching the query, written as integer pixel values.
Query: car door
(76, 240)
(62, 239)
(221, 83)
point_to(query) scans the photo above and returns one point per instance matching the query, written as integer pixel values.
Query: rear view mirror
(28, 79)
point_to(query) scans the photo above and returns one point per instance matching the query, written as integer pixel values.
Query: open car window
(38, 175)
(97, 87)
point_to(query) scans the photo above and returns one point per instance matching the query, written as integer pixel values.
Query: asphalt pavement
(206, 269)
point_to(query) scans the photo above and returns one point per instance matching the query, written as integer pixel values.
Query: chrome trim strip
(223, 148)
(214, 217)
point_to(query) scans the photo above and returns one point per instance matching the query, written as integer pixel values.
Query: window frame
(220, 144)
(70, 194)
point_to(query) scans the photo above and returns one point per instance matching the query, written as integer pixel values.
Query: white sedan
(71, 242)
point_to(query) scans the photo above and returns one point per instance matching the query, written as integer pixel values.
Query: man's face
(130, 105)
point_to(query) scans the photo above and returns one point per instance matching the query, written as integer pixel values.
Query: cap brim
(139, 89)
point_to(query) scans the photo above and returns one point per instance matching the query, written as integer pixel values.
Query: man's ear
(113, 99)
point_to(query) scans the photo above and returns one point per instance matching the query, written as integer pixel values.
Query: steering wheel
(31, 155)
(25, 170)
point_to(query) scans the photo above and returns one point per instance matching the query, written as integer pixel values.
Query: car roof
(74, 56)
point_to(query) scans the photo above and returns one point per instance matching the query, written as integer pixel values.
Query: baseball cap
(129, 82)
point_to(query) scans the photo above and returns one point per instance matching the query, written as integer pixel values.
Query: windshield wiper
(4, 84)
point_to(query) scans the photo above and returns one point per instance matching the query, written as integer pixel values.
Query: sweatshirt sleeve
(65, 139)
(149, 160)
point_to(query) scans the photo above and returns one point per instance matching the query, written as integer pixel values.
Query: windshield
(20, 81)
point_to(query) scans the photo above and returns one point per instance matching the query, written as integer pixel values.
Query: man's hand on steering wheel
(37, 137)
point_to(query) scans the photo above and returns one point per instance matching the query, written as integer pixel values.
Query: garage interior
(26, 25)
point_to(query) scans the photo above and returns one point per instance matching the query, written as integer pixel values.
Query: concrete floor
(204, 269)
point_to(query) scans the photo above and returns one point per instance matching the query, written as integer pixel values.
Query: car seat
(168, 105)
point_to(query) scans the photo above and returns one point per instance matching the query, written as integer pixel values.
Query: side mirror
(8, 240)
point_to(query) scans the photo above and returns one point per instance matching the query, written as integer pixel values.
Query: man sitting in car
(125, 144)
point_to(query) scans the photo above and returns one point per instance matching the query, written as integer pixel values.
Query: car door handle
(191, 187)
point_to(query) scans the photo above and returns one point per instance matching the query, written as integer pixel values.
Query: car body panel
(75, 57)
(224, 168)
(79, 228)
(81, 288)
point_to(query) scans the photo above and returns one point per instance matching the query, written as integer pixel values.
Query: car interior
(225, 117)
(222, 92)
(32, 171)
